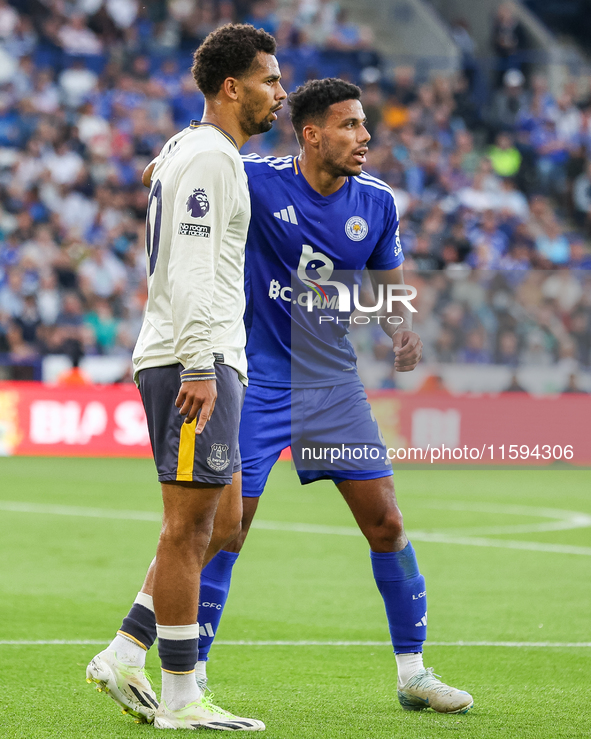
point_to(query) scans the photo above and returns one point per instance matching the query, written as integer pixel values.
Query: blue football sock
(213, 593)
(403, 589)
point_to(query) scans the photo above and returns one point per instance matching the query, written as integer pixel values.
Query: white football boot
(203, 714)
(424, 690)
(128, 686)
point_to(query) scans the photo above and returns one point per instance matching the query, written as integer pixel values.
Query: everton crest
(218, 458)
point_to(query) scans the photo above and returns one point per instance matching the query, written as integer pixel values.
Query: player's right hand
(197, 396)
(408, 350)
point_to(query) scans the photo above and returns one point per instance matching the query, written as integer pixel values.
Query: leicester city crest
(356, 228)
(197, 203)
(218, 458)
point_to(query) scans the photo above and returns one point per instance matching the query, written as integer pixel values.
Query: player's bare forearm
(394, 314)
(397, 323)
(396, 320)
(197, 396)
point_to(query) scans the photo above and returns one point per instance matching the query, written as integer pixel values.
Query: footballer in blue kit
(317, 221)
(354, 228)
(297, 361)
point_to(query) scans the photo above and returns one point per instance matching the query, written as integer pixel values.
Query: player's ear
(230, 87)
(310, 135)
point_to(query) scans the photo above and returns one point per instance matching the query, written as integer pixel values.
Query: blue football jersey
(297, 233)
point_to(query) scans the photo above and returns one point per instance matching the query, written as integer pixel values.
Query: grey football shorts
(180, 455)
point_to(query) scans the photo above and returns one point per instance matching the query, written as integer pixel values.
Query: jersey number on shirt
(153, 237)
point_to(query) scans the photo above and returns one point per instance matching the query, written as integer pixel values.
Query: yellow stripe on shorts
(184, 469)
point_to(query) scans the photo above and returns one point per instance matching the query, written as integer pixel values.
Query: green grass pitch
(507, 567)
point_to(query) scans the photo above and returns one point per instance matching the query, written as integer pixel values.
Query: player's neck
(227, 122)
(319, 179)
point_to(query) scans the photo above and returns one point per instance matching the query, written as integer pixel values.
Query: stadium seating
(497, 190)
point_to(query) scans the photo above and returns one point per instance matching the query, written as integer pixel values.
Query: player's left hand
(408, 349)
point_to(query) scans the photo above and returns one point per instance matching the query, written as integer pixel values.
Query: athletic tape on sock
(145, 600)
(178, 633)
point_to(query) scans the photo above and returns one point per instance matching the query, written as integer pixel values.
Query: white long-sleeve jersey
(198, 217)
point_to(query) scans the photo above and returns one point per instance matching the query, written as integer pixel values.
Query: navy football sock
(177, 648)
(140, 622)
(403, 589)
(213, 593)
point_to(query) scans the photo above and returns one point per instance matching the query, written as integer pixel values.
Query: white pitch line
(520, 644)
(432, 538)
(52, 642)
(280, 643)
(306, 528)
(561, 520)
(576, 520)
(473, 541)
(66, 510)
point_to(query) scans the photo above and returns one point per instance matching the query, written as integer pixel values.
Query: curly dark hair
(310, 102)
(228, 51)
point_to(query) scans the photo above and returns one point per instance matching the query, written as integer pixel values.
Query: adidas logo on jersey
(423, 621)
(287, 214)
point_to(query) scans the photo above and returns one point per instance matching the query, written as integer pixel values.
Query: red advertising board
(96, 421)
(505, 428)
(37, 419)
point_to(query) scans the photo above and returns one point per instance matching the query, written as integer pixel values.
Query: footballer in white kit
(198, 216)
(190, 366)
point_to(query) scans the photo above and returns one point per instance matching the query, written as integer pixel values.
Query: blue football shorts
(320, 424)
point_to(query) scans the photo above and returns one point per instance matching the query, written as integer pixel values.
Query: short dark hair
(310, 102)
(228, 51)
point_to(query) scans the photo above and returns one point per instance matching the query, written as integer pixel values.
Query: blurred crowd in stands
(91, 89)
(515, 319)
